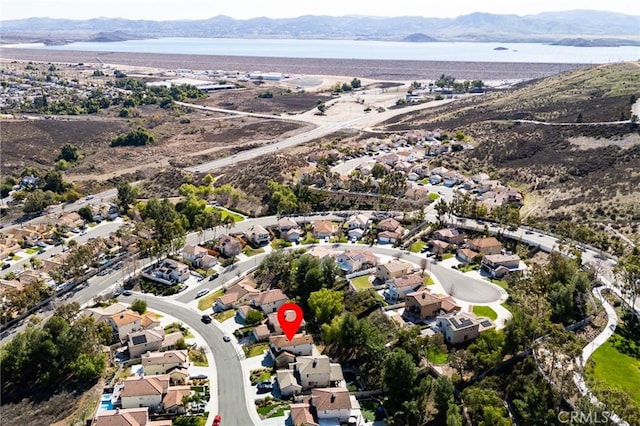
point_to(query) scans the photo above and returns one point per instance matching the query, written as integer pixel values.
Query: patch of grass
(361, 282)
(259, 374)
(368, 408)
(428, 280)
(433, 196)
(32, 250)
(208, 300)
(255, 350)
(224, 315)
(469, 267)
(485, 311)
(15, 257)
(198, 357)
(447, 256)
(249, 251)
(279, 243)
(417, 246)
(92, 224)
(176, 326)
(279, 412)
(615, 369)
(501, 283)
(308, 239)
(436, 356)
(225, 213)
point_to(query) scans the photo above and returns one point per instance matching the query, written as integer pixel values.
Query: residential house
(127, 417)
(289, 229)
(355, 233)
(103, 314)
(8, 244)
(336, 404)
(229, 246)
(416, 193)
(194, 254)
(284, 359)
(112, 211)
(500, 196)
(70, 220)
(257, 235)
(299, 345)
(357, 221)
(30, 237)
(422, 304)
(300, 415)
(398, 288)
(461, 327)
(389, 230)
(172, 271)
(356, 260)
(393, 269)
(320, 252)
(261, 333)
(323, 229)
(317, 372)
(143, 391)
(164, 362)
(439, 246)
(388, 224)
(235, 295)
(154, 339)
(124, 323)
(268, 301)
(172, 400)
(485, 246)
(466, 255)
(499, 265)
(288, 384)
(450, 235)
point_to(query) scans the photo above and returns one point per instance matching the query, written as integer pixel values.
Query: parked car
(5, 266)
(226, 338)
(202, 292)
(200, 377)
(216, 420)
(265, 386)
(213, 276)
(127, 293)
(206, 319)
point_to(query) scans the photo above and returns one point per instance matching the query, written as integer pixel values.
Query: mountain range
(542, 27)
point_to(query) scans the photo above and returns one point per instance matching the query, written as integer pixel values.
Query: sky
(245, 9)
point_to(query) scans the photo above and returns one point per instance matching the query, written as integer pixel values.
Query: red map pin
(288, 322)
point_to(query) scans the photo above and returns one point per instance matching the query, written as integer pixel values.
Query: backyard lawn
(256, 349)
(485, 311)
(617, 365)
(208, 300)
(435, 356)
(362, 282)
(225, 213)
(248, 251)
(32, 250)
(417, 246)
(501, 283)
(224, 315)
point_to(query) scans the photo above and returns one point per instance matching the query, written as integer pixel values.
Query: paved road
(231, 393)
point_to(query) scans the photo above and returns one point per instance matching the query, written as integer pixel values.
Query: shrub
(137, 137)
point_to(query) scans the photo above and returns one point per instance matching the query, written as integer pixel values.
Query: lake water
(354, 49)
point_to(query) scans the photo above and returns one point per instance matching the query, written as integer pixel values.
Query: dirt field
(374, 69)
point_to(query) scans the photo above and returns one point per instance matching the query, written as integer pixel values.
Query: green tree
(127, 195)
(282, 198)
(139, 306)
(326, 304)
(399, 375)
(628, 272)
(253, 317)
(356, 83)
(69, 152)
(85, 213)
(35, 202)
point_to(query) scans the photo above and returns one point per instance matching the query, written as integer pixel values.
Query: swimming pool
(105, 402)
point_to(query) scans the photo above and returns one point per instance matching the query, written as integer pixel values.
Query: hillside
(543, 27)
(581, 173)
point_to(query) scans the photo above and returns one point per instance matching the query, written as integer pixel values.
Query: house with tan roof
(8, 244)
(466, 255)
(268, 301)
(357, 221)
(323, 229)
(300, 415)
(196, 256)
(289, 229)
(142, 391)
(388, 224)
(355, 260)
(317, 372)
(422, 304)
(154, 339)
(229, 246)
(163, 362)
(103, 314)
(261, 333)
(172, 400)
(393, 269)
(460, 327)
(485, 246)
(257, 235)
(127, 417)
(320, 252)
(288, 383)
(398, 288)
(450, 235)
(499, 265)
(336, 404)
(125, 322)
(70, 220)
(300, 344)
(235, 295)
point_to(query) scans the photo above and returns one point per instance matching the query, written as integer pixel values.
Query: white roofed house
(317, 372)
(335, 404)
(398, 288)
(357, 221)
(287, 382)
(257, 235)
(269, 301)
(393, 269)
(356, 260)
(499, 265)
(194, 254)
(163, 362)
(460, 327)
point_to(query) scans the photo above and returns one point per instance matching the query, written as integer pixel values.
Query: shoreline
(361, 68)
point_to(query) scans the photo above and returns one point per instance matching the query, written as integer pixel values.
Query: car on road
(213, 276)
(206, 319)
(116, 293)
(528, 232)
(202, 292)
(127, 293)
(88, 197)
(5, 266)
(200, 377)
(226, 338)
(216, 420)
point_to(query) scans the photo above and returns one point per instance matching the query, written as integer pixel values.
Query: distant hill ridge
(543, 27)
